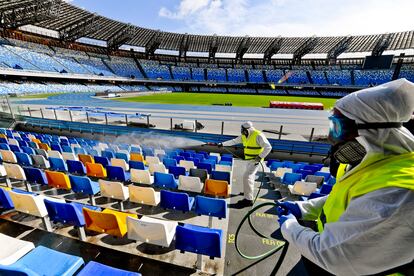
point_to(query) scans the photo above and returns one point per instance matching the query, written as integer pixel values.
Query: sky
(260, 17)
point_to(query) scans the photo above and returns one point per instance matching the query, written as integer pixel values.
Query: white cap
(247, 125)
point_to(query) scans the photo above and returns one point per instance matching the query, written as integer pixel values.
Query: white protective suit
(251, 167)
(376, 231)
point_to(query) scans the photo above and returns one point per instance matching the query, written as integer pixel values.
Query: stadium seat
(94, 268)
(325, 189)
(224, 168)
(190, 184)
(33, 263)
(217, 188)
(69, 156)
(15, 172)
(28, 150)
(325, 175)
(212, 207)
(152, 160)
(206, 166)
(311, 168)
(44, 146)
(95, 170)
(177, 171)
(120, 163)
(58, 180)
(136, 165)
(76, 167)
(144, 195)
(200, 173)
(151, 230)
(68, 213)
(118, 174)
(218, 175)
(35, 176)
(54, 154)
(316, 179)
(157, 168)
(114, 190)
(291, 178)
(187, 164)
(302, 188)
(108, 221)
(8, 156)
(15, 148)
(84, 158)
(40, 161)
(141, 177)
(176, 201)
(165, 180)
(122, 155)
(23, 159)
(13, 249)
(58, 164)
(136, 157)
(199, 240)
(102, 160)
(108, 154)
(280, 172)
(82, 184)
(6, 202)
(42, 152)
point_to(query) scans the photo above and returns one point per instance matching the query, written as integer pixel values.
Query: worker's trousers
(249, 178)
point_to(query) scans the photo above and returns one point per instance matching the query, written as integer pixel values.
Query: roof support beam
(242, 48)
(273, 49)
(32, 12)
(120, 37)
(382, 44)
(153, 43)
(303, 49)
(214, 44)
(80, 28)
(184, 46)
(338, 49)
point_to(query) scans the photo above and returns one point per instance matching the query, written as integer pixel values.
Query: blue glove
(287, 207)
(283, 219)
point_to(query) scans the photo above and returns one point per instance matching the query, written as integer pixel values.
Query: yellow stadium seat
(3, 136)
(95, 170)
(43, 146)
(108, 221)
(137, 157)
(217, 188)
(84, 158)
(58, 180)
(37, 141)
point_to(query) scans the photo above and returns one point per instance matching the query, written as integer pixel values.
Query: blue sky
(260, 17)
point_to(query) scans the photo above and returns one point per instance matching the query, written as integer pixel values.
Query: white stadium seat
(151, 230)
(144, 195)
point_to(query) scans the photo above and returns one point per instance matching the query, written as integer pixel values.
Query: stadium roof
(74, 22)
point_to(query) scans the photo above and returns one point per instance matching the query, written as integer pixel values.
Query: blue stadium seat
(56, 147)
(23, 159)
(311, 168)
(325, 189)
(15, 148)
(67, 149)
(176, 201)
(199, 240)
(44, 261)
(121, 155)
(168, 162)
(108, 154)
(291, 178)
(304, 173)
(78, 150)
(58, 164)
(178, 158)
(94, 268)
(136, 165)
(205, 166)
(218, 175)
(102, 160)
(225, 158)
(35, 176)
(212, 207)
(5, 200)
(117, 174)
(83, 184)
(165, 180)
(28, 150)
(176, 171)
(76, 167)
(325, 175)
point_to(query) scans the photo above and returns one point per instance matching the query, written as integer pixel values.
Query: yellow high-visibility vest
(379, 173)
(251, 148)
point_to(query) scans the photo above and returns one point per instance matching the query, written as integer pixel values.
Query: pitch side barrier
(283, 146)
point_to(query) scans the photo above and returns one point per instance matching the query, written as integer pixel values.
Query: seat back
(35, 176)
(115, 190)
(212, 207)
(85, 158)
(40, 161)
(28, 150)
(291, 178)
(216, 188)
(58, 180)
(190, 184)
(8, 156)
(42, 152)
(176, 201)
(76, 167)
(15, 148)
(5, 199)
(58, 164)
(164, 180)
(169, 162)
(102, 160)
(122, 155)
(187, 164)
(44, 146)
(69, 156)
(153, 167)
(303, 188)
(116, 173)
(54, 154)
(199, 240)
(23, 159)
(151, 230)
(108, 154)
(316, 179)
(29, 203)
(326, 175)
(141, 177)
(325, 189)
(218, 175)
(102, 222)
(152, 160)
(176, 171)
(82, 184)
(136, 165)
(206, 166)
(120, 163)
(95, 170)
(311, 168)
(144, 195)
(200, 173)
(14, 171)
(65, 213)
(136, 157)
(224, 168)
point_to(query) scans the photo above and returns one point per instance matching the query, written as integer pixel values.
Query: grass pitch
(40, 96)
(236, 100)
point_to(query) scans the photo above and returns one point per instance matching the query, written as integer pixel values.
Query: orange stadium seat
(217, 188)
(84, 158)
(137, 157)
(58, 180)
(44, 146)
(95, 170)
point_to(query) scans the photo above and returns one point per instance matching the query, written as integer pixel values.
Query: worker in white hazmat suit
(256, 148)
(366, 224)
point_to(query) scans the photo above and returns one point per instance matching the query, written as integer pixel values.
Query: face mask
(349, 152)
(244, 131)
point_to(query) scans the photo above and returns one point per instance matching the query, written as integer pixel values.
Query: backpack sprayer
(247, 217)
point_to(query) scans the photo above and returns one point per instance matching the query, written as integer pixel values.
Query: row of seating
(19, 257)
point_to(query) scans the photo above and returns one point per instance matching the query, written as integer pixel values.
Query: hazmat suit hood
(389, 102)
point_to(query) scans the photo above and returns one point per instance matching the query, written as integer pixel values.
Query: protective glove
(284, 218)
(257, 160)
(288, 207)
(220, 145)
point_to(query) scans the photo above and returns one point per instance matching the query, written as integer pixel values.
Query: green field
(39, 96)
(236, 100)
